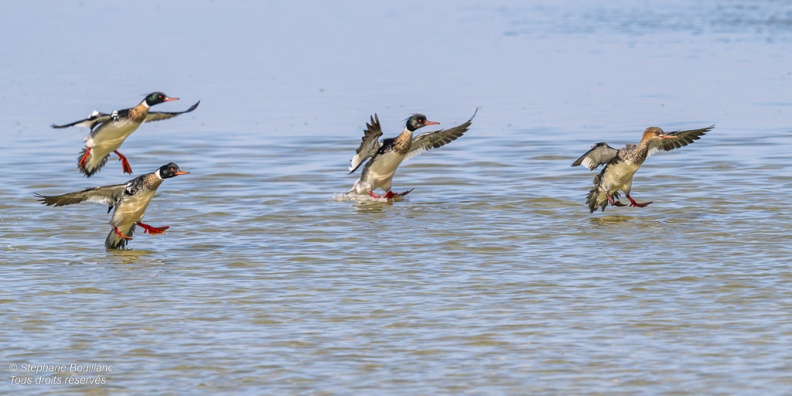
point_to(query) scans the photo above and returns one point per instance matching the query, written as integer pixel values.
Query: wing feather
(369, 145)
(108, 195)
(159, 115)
(95, 118)
(600, 154)
(432, 140)
(683, 138)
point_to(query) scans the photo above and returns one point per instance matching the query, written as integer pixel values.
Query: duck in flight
(129, 200)
(385, 156)
(621, 164)
(108, 131)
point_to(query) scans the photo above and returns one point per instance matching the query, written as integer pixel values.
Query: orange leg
(121, 234)
(638, 204)
(152, 230)
(84, 158)
(124, 163)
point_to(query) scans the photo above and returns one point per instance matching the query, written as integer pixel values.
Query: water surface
(491, 277)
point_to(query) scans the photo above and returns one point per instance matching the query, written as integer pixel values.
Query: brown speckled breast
(152, 182)
(138, 113)
(635, 154)
(403, 143)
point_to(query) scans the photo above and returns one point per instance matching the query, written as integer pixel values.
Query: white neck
(158, 174)
(144, 103)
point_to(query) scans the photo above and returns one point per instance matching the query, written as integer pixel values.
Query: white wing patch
(101, 199)
(365, 152)
(354, 162)
(413, 153)
(589, 163)
(652, 151)
(89, 122)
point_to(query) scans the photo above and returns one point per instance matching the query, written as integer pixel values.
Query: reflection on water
(133, 256)
(491, 277)
(610, 221)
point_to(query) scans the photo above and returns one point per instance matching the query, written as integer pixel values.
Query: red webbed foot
(152, 230)
(121, 234)
(390, 194)
(638, 204)
(84, 158)
(124, 163)
(612, 202)
(403, 193)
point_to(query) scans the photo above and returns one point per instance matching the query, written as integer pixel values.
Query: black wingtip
(374, 120)
(45, 200)
(474, 114)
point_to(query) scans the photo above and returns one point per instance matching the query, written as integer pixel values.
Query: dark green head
(418, 121)
(170, 170)
(156, 98)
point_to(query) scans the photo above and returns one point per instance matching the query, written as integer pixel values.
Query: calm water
(490, 278)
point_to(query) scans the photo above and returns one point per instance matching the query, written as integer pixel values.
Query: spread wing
(682, 138)
(159, 115)
(432, 140)
(108, 195)
(599, 154)
(369, 144)
(95, 118)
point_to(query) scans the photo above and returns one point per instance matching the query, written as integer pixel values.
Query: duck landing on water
(385, 156)
(621, 164)
(130, 201)
(108, 131)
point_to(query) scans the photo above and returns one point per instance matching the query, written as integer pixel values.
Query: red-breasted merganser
(108, 131)
(621, 164)
(130, 201)
(388, 154)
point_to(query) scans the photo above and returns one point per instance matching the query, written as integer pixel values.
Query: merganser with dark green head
(108, 131)
(621, 164)
(130, 201)
(386, 155)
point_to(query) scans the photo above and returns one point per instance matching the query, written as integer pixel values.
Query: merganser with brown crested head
(108, 131)
(386, 155)
(130, 201)
(621, 164)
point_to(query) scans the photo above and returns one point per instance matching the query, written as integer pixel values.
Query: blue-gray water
(490, 278)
